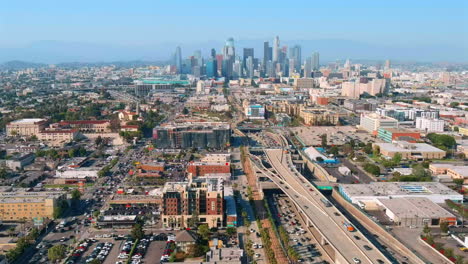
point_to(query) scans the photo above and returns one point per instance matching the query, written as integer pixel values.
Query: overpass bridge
(327, 223)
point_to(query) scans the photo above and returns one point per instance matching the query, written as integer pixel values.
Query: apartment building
(58, 136)
(201, 197)
(430, 124)
(319, 116)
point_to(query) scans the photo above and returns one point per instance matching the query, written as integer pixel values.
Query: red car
(311, 189)
(279, 215)
(292, 223)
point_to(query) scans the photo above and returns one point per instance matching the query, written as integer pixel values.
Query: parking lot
(299, 237)
(336, 135)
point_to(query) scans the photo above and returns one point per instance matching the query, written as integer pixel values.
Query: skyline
(424, 33)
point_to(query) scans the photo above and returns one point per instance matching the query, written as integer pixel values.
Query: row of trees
(22, 244)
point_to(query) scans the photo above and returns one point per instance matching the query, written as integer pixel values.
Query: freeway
(329, 223)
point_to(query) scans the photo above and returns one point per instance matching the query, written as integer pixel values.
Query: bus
(326, 202)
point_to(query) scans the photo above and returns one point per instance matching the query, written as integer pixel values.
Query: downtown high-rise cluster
(277, 61)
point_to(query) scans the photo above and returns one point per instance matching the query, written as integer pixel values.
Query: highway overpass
(341, 245)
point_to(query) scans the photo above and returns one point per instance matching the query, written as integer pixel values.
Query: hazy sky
(135, 22)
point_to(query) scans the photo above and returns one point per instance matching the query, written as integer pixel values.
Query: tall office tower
(213, 53)
(347, 64)
(308, 68)
(295, 54)
(249, 67)
(270, 69)
(211, 68)
(229, 49)
(248, 52)
(197, 55)
(291, 68)
(276, 49)
(219, 63)
(237, 68)
(315, 61)
(266, 56)
(387, 65)
(283, 60)
(178, 59)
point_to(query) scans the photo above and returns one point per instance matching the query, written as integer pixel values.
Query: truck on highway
(349, 227)
(326, 202)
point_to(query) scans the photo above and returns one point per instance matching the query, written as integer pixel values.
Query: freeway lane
(323, 217)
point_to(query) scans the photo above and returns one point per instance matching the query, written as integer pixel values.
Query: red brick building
(201, 169)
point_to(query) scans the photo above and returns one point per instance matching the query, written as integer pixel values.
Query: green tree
(194, 220)
(76, 194)
(372, 168)
(397, 158)
(3, 173)
(420, 172)
(334, 150)
(367, 148)
(444, 227)
(137, 231)
(442, 141)
(231, 231)
(426, 230)
(56, 253)
(323, 137)
(204, 231)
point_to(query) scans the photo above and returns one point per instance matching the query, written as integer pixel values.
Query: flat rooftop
(408, 207)
(397, 188)
(401, 146)
(28, 121)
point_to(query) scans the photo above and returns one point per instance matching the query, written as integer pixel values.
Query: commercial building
(216, 158)
(25, 127)
(304, 83)
(193, 135)
(145, 86)
(360, 105)
(397, 134)
(18, 205)
(202, 197)
(430, 124)
(76, 169)
(255, 111)
(319, 116)
(414, 151)
(87, 126)
(18, 162)
(415, 211)
(372, 122)
(202, 168)
(452, 170)
(366, 195)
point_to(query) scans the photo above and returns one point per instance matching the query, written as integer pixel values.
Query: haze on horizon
(55, 31)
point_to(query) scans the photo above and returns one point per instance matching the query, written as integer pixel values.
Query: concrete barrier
(373, 227)
(448, 261)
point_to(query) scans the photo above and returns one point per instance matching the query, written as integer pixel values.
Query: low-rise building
(319, 116)
(373, 121)
(57, 137)
(430, 124)
(414, 151)
(18, 205)
(20, 161)
(397, 134)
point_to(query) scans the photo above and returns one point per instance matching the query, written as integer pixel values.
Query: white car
(257, 255)
(356, 260)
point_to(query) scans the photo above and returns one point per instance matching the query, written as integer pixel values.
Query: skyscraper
(295, 54)
(229, 54)
(266, 56)
(248, 52)
(178, 59)
(213, 53)
(276, 49)
(229, 49)
(315, 61)
(387, 64)
(308, 67)
(249, 67)
(211, 68)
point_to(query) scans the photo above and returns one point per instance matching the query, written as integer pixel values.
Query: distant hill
(18, 65)
(53, 52)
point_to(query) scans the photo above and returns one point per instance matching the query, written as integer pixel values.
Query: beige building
(314, 117)
(18, 205)
(373, 121)
(304, 83)
(58, 137)
(25, 127)
(414, 151)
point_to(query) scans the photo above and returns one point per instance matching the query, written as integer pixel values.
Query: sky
(135, 23)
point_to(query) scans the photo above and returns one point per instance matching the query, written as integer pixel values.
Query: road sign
(38, 221)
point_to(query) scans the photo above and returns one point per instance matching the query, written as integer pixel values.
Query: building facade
(25, 127)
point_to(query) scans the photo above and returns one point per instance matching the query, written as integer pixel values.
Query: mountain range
(54, 52)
